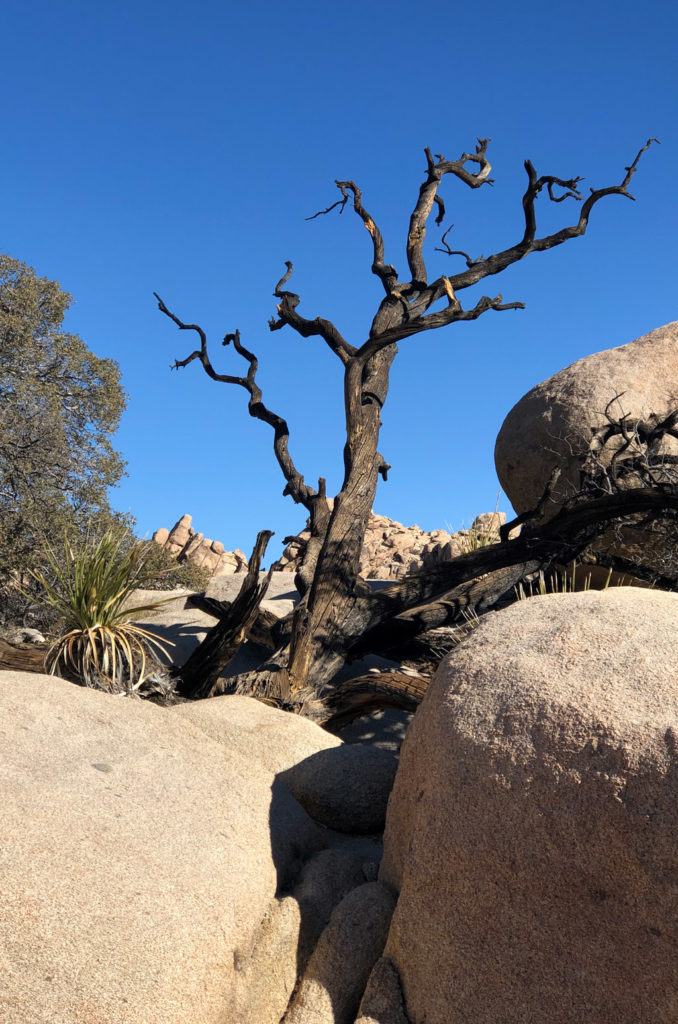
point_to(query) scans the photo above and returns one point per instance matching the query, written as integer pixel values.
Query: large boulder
(346, 787)
(342, 786)
(533, 827)
(277, 739)
(552, 424)
(139, 858)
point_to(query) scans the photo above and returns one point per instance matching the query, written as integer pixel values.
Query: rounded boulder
(532, 831)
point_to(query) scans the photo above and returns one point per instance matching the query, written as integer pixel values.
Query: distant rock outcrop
(188, 546)
(390, 551)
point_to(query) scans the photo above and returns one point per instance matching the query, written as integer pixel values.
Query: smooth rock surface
(334, 981)
(138, 860)
(382, 1002)
(290, 931)
(552, 424)
(345, 787)
(533, 827)
(277, 739)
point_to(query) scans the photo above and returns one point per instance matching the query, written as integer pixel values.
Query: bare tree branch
(299, 491)
(442, 318)
(455, 252)
(386, 274)
(436, 170)
(416, 320)
(287, 312)
(529, 243)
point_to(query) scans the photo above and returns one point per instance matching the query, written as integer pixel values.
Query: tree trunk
(320, 625)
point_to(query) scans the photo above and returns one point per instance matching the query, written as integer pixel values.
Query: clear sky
(178, 148)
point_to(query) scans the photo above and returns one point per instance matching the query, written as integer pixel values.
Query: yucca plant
(89, 588)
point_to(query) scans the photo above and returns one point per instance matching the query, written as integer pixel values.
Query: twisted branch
(386, 274)
(451, 314)
(423, 296)
(455, 252)
(299, 491)
(436, 170)
(287, 312)
(529, 242)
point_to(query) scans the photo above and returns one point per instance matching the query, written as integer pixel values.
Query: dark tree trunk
(197, 678)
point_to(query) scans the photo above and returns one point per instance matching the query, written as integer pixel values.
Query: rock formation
(392, 550)
(553, 426)
(188, 546)
(218, 860)
(154, 867)
(532, 828)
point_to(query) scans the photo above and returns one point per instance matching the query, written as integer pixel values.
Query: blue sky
(164, 148)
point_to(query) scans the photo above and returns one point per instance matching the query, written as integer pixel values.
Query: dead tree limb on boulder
(336, 607)
(197, 678)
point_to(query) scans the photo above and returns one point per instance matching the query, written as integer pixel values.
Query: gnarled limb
(197, 678)
(529, 242)
(299, 491)
(480, 268)
(386, 274)
(288, 316)
(442, 318)
(372, 692)
(455, 252)
(436, 170)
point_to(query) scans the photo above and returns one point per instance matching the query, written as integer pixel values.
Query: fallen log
(22, 657)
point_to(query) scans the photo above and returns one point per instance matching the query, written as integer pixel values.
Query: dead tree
(338, 616)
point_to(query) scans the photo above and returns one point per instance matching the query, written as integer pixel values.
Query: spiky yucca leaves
(89, 588)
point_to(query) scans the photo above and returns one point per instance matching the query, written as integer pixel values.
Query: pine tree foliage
(59, 406)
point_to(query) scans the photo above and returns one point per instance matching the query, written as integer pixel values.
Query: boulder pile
(166, 864)
(392, 550)
(188, 546)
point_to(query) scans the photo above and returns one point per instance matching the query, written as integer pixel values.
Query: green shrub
(88, 587)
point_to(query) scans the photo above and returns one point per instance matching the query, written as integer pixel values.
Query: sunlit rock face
(531, 832)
